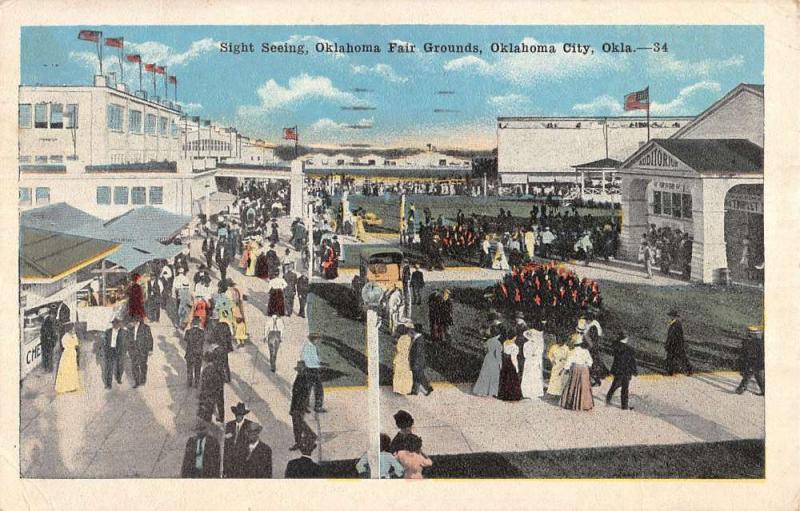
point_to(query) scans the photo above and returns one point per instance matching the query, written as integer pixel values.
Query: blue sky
(260, 93)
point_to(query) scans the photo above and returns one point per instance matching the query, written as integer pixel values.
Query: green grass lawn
(715, 320)
(738, 459)
(388, 209)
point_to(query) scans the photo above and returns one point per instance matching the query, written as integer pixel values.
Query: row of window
(137, 196)
(44, 158)
(676, 205)
(152, 123)
(42, 196)
(48, 115)
(207, 145)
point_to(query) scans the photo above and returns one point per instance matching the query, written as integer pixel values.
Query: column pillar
(634, 216)
(709, 250)
(296, 195)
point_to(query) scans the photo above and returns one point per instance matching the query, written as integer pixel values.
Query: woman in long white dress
(532, 384)
(68, 378)
(488, 381)
(557, 354)
(500, 261)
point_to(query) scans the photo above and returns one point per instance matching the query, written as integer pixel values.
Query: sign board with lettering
(30, 355)
(658, 158)
(664, 186)
(746, 202)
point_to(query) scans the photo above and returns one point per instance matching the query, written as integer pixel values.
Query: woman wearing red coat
(136, 298)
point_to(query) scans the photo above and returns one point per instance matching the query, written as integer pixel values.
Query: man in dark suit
(220, 334)
(304, 467)
(223, 257)
(417, 284)
(114, 342)
(48, 336)
(623, 368)
(418, 361)
(751, 360)
(235, 441)
(677, 360)
(289, 291)
(301, 391)
(140, 345)
(212, 392)
(256, 456)
(302, 294)
(195, 338)
(201, 458)
(208, 249)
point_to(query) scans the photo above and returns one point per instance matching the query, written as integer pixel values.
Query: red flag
(639, 100)
(160, 70)
(150, 68)
(115, 42)
(173, 79)
(290, 133)
(89, 35)
(133, 58)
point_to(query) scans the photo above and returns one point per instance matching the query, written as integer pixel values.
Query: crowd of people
(667, 249)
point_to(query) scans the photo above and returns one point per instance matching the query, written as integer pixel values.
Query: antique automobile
(380, 265)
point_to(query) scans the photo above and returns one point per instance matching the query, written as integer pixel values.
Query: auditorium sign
(745, 202)
(657, 158)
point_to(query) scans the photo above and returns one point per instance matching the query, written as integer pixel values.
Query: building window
(24, 159)
(150, 124)
(24, 196)
(676, 205)
(656, 203)
(56, 115)
(56, 158)
(120, 195)
(138, 195)
(71, 119)
(687, 205)
(339, 162)
(156, 195)
(40, 115)
(114, 117)
(134, 121)
(104, 195)
(42, 196)
(442, 163)
(162, 126)
(41, 158)
(25, 116)
(174, 128)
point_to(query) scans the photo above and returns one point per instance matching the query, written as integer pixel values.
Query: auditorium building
(706, 179)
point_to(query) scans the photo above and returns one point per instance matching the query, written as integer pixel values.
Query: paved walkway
(127, 432)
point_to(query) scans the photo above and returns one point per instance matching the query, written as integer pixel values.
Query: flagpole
(121, 71)
(154, 81)
(648, 112)
(296, 137)
(166, 92)
(100, 51)
(140, 74)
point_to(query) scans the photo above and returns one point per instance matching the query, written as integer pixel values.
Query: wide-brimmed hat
(254, 427)
(240, 409)
(44, 311)
(403, 419)
(531, 334)
(673, 313)
(581, 325)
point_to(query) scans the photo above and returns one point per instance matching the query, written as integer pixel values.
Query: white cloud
(526, 68)
(310, 41)
(668, 64)
(601, 105)
(511, 103)
(385, 71)
(326, 124)
(299, 88)
(680, 105)
(190, 107)
(163, 55)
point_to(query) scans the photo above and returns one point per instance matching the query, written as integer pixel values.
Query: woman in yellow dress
(255, 250)
(557, 354)
(68, 378)
(239, 324)
(361, 233)
(402, 379)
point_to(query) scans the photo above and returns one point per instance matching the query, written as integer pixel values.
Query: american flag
(90, 35)
(639, 100)
(290, 133)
